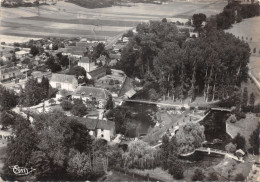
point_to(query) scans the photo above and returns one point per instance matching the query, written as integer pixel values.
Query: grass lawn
(251, 88)
(168, 121)
(119, 176)
(245, 127)
(241, 29)
(199, 101)
(229, 168)
(156, 173)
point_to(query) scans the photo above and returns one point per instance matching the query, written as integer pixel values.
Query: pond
(143, 115)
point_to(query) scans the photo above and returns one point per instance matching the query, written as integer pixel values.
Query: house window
(102, 135)
(3, 77)
(14, 74)
(58, 85)
(102, 129)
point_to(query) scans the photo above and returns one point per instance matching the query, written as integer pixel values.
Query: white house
(99, 129)
(86, 64)
(21, 54)
(62, 81)
(10, 73)
(86, 93)
(125, 39)
(97, 73)
(194, 34)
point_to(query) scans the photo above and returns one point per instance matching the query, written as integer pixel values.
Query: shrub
(77, 101)
(230, 147)
(176, 171)
(198, 175)
(239, 177)
(79, 110)
(52, 101)
(212, 177)
(183, 108)
(111, 82)
(66, 105)
(117, 82)
(239, 141)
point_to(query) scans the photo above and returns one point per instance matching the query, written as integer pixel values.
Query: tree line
(176, 67)
(234, 12)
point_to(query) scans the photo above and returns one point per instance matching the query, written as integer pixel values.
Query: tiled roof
(79, 53)
(97, 71)
(115, 56)
(8, 70)
(76, 48)
(84, 60)
(93, 91)
(93, 124)
(63, 78)
(105, 125)
(81, 44)
(64, 93)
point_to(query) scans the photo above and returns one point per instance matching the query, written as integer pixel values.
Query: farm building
(91, 93)
(61, 81)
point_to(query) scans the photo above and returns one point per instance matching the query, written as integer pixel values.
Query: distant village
(19, 63)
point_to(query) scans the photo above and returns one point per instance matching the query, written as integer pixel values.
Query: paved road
(111, 42)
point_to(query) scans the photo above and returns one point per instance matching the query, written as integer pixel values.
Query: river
(143, 115)
(215, 128)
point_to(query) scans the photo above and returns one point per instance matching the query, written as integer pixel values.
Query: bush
(77, 101)
(212, 177)
(79, 110)
(198, 175)
(66, 105)
(52, 101)
(239, 177)
(239, 141)
(230, 147)
(111, 82)
(176, 171)
(240, 115)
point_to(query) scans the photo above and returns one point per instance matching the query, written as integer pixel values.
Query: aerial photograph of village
(130, 90)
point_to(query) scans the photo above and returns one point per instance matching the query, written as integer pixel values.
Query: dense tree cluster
(53, 64)
(211, 65)
(58, 147)
(141, 156)
(169, 157)
(235, 12)
(8, 99)
(189, 137)
(254, 140)
(34, 92)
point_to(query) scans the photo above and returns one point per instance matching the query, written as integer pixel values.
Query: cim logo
(21, 170)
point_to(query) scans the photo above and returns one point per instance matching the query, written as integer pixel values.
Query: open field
(254, 66)
(69, 20)
(248, 28)
(245, 127)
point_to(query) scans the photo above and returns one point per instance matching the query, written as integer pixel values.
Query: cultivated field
(69, 20)
(248, 28)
